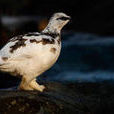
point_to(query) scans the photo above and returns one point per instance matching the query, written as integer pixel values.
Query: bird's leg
(24, 85)
(33, 84)
(30, 85)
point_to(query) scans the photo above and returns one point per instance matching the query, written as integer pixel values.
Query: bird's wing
(23, 44)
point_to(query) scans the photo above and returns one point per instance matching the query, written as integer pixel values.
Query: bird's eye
(63, 18)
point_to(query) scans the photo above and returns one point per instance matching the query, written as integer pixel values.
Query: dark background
(88, 16)
(93, 16)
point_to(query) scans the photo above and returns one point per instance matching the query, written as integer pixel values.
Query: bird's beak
(68, 18)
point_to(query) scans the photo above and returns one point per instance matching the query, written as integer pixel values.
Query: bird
(29, 55)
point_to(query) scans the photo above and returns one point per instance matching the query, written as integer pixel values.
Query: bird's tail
(3, 64)
(1, 61)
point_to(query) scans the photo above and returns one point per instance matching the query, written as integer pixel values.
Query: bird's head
(57, 22)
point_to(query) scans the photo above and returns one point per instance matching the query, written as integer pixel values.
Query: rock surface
(80, 98)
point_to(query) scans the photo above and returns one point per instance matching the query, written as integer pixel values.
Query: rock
(80, 98)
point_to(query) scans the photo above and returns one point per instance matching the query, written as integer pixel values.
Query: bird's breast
(49, 56)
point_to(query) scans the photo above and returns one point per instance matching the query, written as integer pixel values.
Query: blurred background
(88, 40)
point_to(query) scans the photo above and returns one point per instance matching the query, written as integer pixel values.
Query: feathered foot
(32, 85)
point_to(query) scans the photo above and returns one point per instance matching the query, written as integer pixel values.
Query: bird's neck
(52, 28)
(50, 32)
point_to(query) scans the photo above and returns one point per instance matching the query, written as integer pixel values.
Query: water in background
(84, 57)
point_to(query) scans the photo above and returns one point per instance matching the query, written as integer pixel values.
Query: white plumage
(31, 54)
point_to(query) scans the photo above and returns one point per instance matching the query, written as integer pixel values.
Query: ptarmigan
(31, 54)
